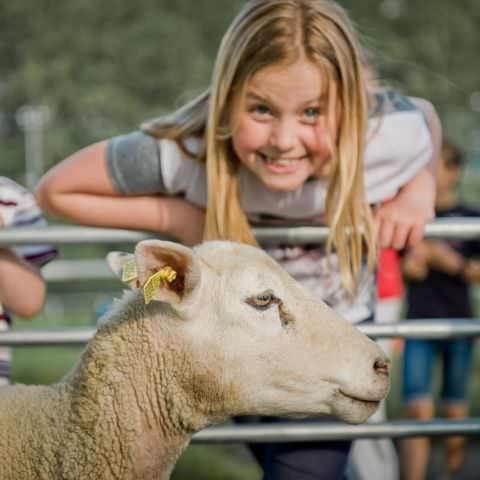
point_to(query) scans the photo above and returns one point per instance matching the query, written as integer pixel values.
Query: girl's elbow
(45, 195)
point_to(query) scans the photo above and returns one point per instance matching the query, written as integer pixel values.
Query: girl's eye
(312, 112)
(261, 110)
(263, 300)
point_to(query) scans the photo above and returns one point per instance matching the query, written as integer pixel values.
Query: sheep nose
(382, 366)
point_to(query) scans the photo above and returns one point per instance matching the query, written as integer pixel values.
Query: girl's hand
(401, 221)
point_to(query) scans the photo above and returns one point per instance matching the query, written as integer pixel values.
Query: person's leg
(455, 446)
(417, 373)
(415, 451)
(458, 360)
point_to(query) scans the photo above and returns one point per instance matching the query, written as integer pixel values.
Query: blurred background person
(439, 275)
(22, 288)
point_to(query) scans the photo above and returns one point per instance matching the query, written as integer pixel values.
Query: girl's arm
(80, 188)
(401, 221)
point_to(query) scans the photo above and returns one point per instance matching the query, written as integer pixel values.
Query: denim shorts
(418, 368)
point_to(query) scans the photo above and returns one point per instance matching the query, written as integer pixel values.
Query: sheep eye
(263, 300)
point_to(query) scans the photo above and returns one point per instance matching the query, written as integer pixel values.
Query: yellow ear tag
(166, 274)
(129, 272)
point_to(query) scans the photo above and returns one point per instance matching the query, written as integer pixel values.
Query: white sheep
(231, 334)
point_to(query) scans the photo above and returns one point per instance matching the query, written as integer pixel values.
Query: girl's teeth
(280, 161)
(284, 161)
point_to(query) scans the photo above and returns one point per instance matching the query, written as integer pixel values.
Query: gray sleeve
(133, 163)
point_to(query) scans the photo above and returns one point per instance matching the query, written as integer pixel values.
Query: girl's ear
(123, 267)
(167, 271)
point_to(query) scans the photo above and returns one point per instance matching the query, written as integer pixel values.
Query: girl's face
(283, 133)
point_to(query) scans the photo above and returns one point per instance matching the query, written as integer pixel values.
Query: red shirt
(389, 275)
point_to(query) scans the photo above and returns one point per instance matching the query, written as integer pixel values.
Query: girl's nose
(283, 135)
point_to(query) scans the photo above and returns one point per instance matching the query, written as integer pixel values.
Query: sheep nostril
(382, 366)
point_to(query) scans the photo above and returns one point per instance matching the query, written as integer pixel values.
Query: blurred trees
(103, 67)
(429, 49)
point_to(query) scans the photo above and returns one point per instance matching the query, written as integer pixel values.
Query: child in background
(279, 138)
(440, 274)
(22, 289)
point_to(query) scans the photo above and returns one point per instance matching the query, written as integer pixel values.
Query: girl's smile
(281, 165)
(285, 127)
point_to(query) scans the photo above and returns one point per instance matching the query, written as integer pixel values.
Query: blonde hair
(269, 32)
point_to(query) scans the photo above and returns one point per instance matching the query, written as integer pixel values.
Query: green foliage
(101, 67)
(428, 49)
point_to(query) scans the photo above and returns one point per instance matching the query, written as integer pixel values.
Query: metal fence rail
(310, 432)
(432, 329)
(442, 228)
(61, 235)
(85, 269)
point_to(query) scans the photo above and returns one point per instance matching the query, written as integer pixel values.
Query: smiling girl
(279, 138)
(282, 131)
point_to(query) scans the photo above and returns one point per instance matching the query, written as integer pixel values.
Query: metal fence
(443, 228)
(292, 432)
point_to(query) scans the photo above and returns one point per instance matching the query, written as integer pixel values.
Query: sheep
(224, 331)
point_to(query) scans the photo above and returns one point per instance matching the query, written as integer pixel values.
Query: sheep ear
(167, 271)
(123, 267)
